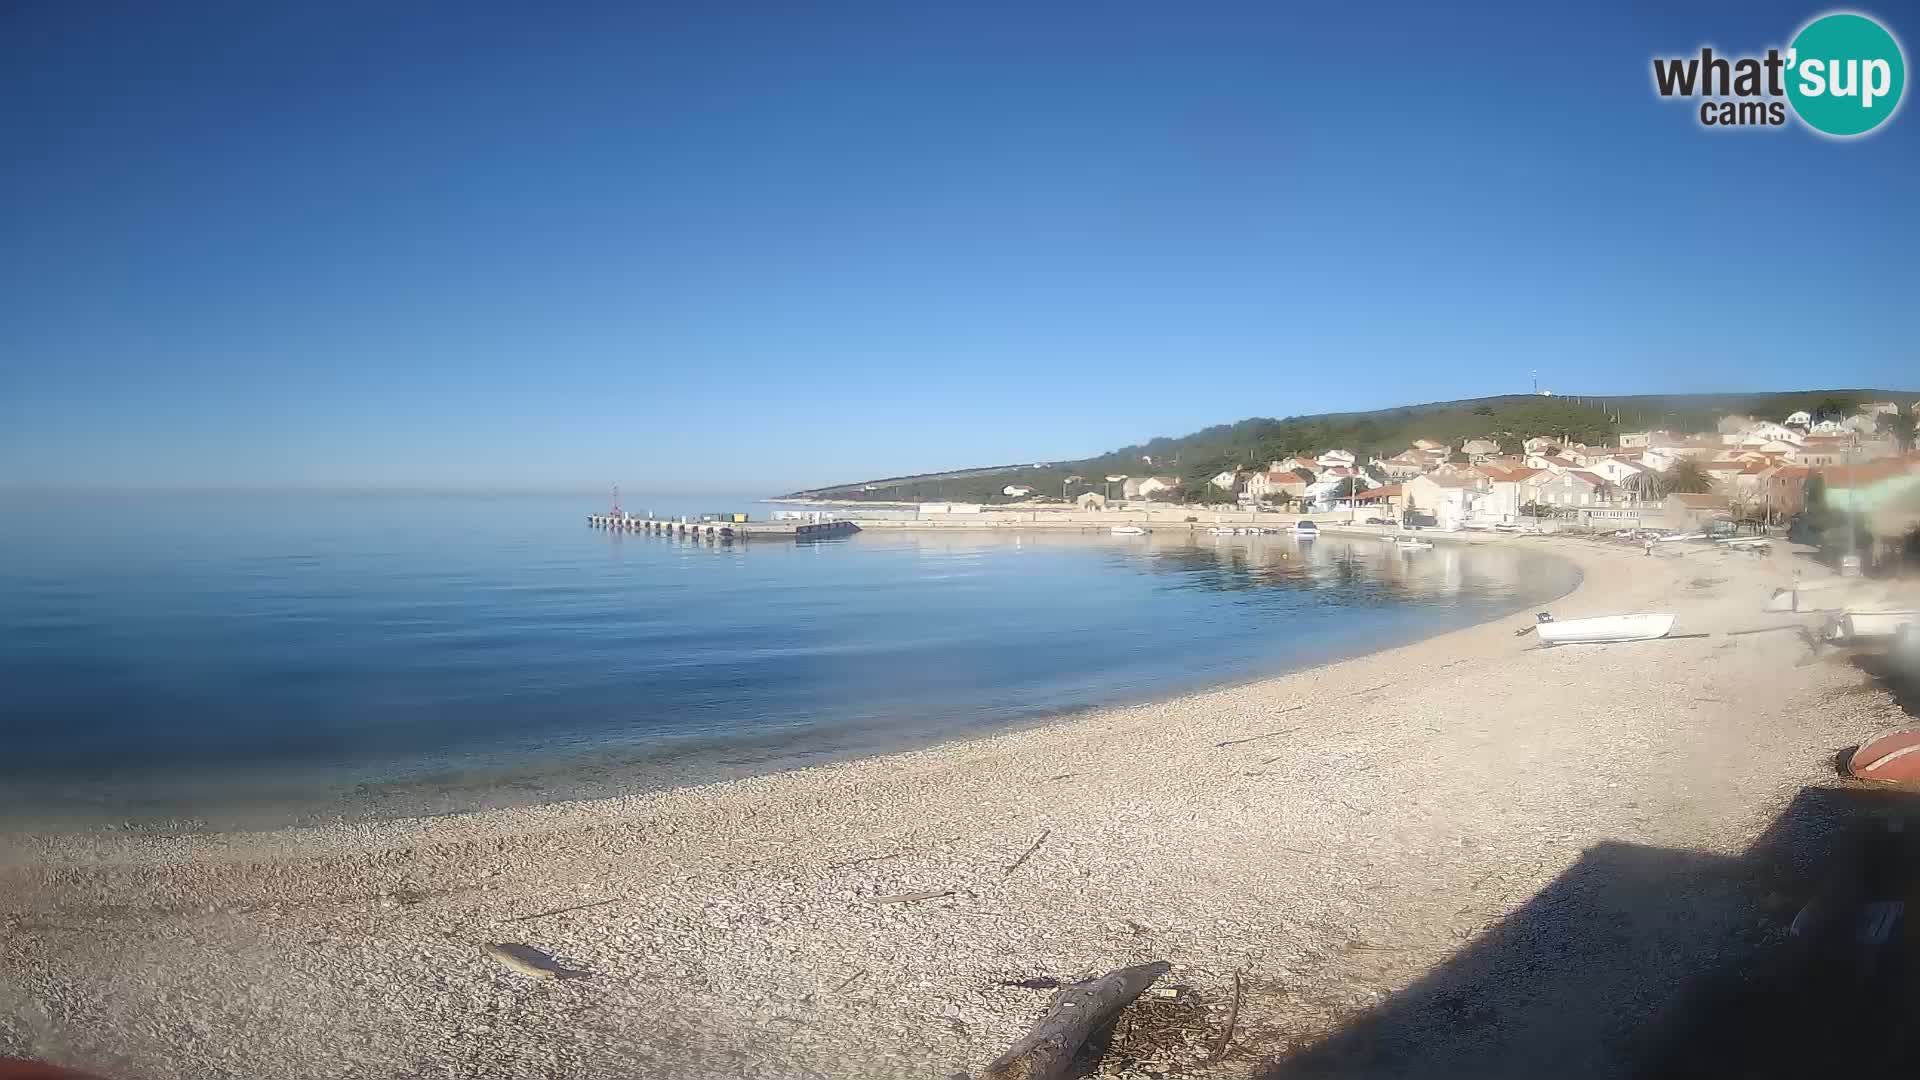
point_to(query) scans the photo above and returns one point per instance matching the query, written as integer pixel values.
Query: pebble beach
(1306, 851)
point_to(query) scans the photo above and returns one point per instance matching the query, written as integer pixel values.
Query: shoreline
(276, 796)
(1263, 828)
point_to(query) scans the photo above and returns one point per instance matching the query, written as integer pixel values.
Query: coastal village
(1751, 474)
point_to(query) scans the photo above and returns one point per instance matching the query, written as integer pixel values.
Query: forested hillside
(1258, 440)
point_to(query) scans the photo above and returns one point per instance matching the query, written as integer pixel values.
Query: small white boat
(1128, 530)
(1221, 531)
(1386, 538)
(1305, 529)
(1605, 628)
(1414, 545)
(1869, 625)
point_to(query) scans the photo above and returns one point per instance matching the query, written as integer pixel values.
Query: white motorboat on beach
(1604, 629)
(1128, 530)
(1862, 626)
(1414, 545)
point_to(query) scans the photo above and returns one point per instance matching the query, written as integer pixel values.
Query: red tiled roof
(1870, 473)
(1591, 478)
(1390, 491)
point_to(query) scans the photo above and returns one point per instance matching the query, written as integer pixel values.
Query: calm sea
(215, 658)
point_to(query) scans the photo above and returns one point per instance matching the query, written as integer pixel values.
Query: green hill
(1382, 433)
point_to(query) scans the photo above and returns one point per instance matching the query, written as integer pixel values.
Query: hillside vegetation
(1254, 442)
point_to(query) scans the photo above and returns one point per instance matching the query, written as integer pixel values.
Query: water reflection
(385, 637)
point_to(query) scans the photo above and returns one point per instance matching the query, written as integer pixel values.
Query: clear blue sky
(749, 247)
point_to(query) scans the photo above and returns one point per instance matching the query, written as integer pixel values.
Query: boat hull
(1862, 625)
(1893, 758)
(1604, 629)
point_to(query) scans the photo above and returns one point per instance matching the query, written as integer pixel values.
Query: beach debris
(867, 859)
(1037, 982)
(1028, 854)
(1524, 631)
(1074, 1015)
(529, 961)
(850, 980)
(1233, 1017)
(1256, 738)
(913, 897)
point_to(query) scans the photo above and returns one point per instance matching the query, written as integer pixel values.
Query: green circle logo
(1845, 73)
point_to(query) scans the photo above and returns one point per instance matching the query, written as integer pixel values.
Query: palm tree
(1685, 476)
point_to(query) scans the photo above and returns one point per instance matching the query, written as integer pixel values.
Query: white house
(1322, 490)
(1764, 431)
(1274, 483)
(1157, 485)
(1800, 418)
(1632, 479)
(1508, 490)
(1411, 462)
(1449, 498)
(1480, 449)
(1575, 487)
(1226, 481)
(1539, 444)
(1829, 427)
(1018, 491)
(1558, 462)
(1330, 459)
(1875, 408)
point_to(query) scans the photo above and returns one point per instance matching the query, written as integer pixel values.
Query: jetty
(720, 529)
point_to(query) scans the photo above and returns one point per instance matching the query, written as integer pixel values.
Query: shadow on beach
(1648, 962)
(1902, 682)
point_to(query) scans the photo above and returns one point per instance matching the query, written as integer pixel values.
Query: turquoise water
(182, 655)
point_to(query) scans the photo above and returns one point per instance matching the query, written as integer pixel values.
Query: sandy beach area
(1485, 857)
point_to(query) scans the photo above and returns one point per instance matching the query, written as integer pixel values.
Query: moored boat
(1605, 628)
(1128, 530)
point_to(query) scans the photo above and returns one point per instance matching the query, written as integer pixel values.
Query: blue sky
(751, 247)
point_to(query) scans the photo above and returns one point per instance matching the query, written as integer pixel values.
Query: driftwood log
(1075, 1014)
